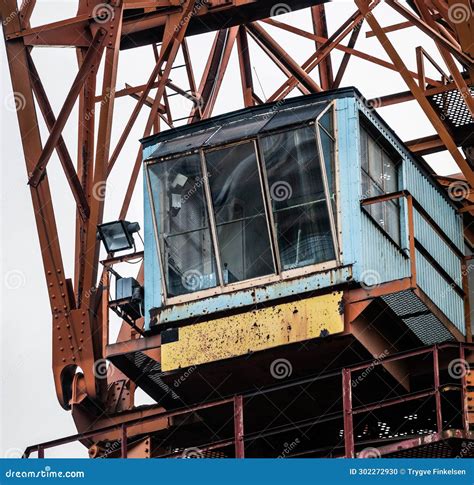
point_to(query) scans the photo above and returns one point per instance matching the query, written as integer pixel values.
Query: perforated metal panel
(453, 111)
(418, 318)
(453, 107)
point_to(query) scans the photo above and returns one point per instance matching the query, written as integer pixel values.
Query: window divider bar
(268, 207)
(212, 221)
(322, 164)
(164, 289)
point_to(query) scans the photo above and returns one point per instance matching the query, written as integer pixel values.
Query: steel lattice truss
(99, 31)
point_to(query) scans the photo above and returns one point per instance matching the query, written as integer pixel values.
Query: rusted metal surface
(153, 418)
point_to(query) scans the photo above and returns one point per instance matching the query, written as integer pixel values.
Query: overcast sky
(30, 412)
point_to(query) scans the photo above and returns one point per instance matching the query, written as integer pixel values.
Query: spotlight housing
(118, 235)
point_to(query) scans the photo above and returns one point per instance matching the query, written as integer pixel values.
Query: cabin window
(298, 198)
(250, 210)
(183, 225)
(239, 212)
(380, 176)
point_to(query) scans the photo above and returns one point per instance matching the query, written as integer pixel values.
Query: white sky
(30, 412)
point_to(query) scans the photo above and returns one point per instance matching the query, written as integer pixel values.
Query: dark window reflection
(298, 198)
(380, 176)
(242, 231)
(184, 234)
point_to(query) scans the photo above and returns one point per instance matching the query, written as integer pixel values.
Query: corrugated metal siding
(380, 255)
(440, 291)
(439, 209)
(441, 252)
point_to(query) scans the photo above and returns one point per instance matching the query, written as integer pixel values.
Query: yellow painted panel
(254, 330)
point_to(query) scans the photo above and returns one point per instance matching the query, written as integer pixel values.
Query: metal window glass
(262, 207)
(379, 176)
(298, 198)
(328, 142)
(239, 212)
(183, 226)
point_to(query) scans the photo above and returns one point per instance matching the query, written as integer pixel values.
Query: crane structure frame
(98, 33)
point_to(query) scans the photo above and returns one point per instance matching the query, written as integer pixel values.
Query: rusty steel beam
(239, 427)
(63, 153)
(417, 92)
(100, 165)
(214, 72)
(172, 42)
(269, 44)
(85, 162)
(245, 67)
(168, 52)
(391, 28)
(318, 15)
(91, 60)
(347, 410)
(68, 352)
(345, 59)
(348, 50)
(428, 30)
(315, 59)
(426, 145)
(26, 10)
(448, 60)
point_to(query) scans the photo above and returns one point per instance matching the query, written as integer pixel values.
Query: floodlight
(118, 235)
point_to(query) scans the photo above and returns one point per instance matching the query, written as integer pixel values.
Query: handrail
(348, 410)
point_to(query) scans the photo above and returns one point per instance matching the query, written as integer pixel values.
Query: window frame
(396, 159)
(279, 274)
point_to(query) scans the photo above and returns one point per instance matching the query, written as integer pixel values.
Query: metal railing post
(123, 447)
(439, 416)
(347, 409)
(239, 427)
